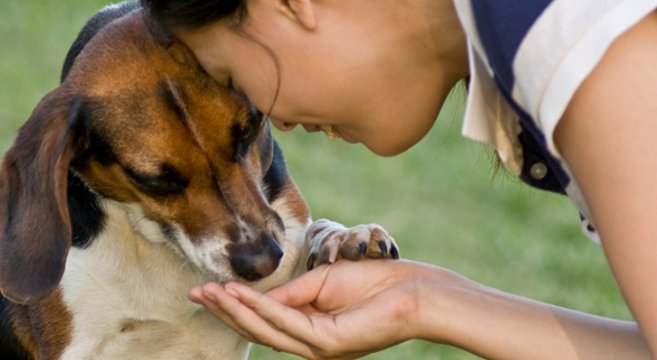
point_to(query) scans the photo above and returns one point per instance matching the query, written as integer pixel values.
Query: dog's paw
(330, 241)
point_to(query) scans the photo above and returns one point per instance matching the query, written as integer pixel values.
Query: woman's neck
(448, 37)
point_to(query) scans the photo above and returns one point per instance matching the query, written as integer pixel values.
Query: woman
(563, 90)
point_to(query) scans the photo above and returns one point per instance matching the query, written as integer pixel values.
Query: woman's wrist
(410, 286)
(441, 295)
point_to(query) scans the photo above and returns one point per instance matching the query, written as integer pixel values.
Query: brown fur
(52, 321)
(132, 108)
(34, 219)
(136, 120)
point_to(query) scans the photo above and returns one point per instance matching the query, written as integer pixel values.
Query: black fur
(87, 216)
(165, 183)
(10, 348)
(92, 27)
(244, 135)
(276, 176)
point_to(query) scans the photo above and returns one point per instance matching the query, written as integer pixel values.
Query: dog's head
(142, 124)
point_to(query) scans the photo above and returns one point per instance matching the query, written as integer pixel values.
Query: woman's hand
(344, 310)
(350, 309)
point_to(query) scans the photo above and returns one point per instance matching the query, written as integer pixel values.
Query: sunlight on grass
(440, 199)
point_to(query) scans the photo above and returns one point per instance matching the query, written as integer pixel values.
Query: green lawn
(440, 200)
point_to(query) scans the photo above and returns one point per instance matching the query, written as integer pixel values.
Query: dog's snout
(255, 260)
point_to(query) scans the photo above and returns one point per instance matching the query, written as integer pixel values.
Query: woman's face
(368, 68)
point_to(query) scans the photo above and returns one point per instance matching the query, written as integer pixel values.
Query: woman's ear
(300, 10)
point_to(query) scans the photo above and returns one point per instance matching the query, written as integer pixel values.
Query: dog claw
(395, 253)
(311, 261)
(362, 249)
(383, 247)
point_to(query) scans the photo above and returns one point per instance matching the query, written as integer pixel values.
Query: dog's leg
(329, 241)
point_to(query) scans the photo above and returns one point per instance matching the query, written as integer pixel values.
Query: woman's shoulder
(527, 59)
(524, 42)
(538, 52)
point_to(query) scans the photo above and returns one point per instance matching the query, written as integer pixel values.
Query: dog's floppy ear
(35, 226)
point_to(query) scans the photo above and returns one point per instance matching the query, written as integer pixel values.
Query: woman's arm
(608, 136)
(351, 309)
(498, 325)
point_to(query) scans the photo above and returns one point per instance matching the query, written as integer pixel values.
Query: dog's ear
(35, 226)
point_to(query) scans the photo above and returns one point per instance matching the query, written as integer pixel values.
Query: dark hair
(194, 13)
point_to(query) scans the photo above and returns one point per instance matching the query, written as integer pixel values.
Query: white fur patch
(127, 291)
(128, 298)
(149, 229)
(214, 259)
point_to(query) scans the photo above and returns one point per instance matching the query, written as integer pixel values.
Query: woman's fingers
(372, 324)
(209, 301)
(281, 317)
(303, 290)
(229, 306)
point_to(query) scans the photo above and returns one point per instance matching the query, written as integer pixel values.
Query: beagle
(136, 179)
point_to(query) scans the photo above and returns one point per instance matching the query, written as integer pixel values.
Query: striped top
(527, 59)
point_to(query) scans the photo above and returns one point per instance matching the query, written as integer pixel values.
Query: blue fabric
(535, 150)
(502, 24)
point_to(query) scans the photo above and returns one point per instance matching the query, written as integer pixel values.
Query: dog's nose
(255, 260)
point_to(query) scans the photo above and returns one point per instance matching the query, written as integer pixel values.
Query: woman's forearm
(498, 325)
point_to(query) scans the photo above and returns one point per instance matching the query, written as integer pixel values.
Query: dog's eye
(168, 182)
(245, 135)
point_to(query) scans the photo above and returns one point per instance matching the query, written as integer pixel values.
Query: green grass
(440, 200)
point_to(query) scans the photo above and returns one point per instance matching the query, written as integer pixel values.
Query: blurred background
(443, 201)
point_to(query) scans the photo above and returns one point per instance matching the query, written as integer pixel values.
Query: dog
(136, 179)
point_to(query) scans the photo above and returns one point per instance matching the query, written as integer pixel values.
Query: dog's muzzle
(255, 260)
